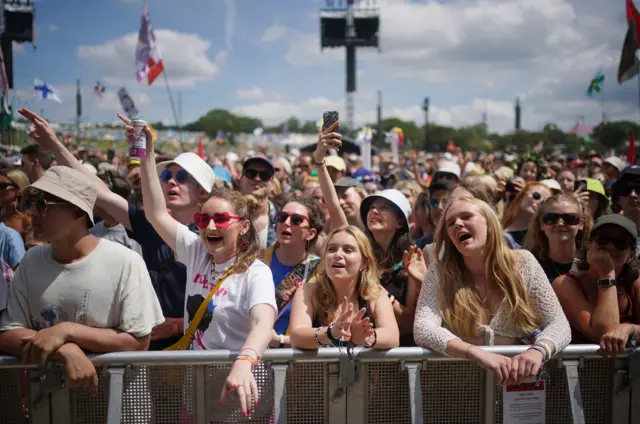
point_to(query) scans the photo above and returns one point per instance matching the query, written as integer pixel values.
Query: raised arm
(155, 207)
(329, 140)
(45, 136)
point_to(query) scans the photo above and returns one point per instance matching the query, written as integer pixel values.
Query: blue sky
(262, 58)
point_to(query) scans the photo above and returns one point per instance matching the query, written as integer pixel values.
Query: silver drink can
(138, 148)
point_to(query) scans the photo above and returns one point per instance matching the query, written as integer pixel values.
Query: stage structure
(16, 24)
(351, 24)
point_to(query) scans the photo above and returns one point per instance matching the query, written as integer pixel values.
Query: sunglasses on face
(567, 218)
(627, 189)
(253, 173)
(536, 195)
(434, 203)
(277, 169)
(4, 186)
(296, 218)
(24, 204)
(181, 177)
(222, 220)
(619, 243)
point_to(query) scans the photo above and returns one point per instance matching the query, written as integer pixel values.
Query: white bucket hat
(394, 196)
(195, 166)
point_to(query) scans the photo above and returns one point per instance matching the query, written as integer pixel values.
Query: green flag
(596, 84)
(6, 114)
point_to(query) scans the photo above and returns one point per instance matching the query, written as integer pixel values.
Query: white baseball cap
(195, 166)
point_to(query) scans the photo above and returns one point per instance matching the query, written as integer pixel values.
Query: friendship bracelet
(315, 336)
(247, 358)
(313, 160)
(253, 349)
(547, 348)
(539, 349)
(375, 339)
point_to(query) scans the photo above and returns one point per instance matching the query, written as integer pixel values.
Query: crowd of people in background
(447, 251)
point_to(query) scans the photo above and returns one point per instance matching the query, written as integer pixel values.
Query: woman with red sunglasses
(292, 264)
(224, 276)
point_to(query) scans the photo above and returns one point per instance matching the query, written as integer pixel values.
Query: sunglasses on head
(181, 177)
(567, 218)
(222, 220)
(253, 173)
(619, 243)
(296, 218)
(626, 190)
(434, 203)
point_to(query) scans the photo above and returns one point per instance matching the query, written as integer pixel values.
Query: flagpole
(173, 106)
(604, 114)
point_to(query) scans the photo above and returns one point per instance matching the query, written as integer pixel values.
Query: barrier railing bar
(415, 391)
(634, 383)
(200, 399)
(204, 357)
(357, 396)
(337, 397)
(488, 397)
(116, 388)
(573, 386)
(280, 392)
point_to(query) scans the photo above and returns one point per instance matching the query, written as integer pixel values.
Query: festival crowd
(447, 251)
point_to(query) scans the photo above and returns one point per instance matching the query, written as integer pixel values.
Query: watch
(281, 340)
(606, 282)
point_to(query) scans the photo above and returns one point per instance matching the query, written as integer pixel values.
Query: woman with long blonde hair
(480, 292)
(347, 303)
(557, 233)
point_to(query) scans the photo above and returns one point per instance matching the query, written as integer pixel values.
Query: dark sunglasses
(253, 173)
(296, 218)
(222, 220)
(620, 243)
(433, 203)
(567, 218)
(277, 169)
(25, 203)
(625, 190)
(181, 176)
(4, 186)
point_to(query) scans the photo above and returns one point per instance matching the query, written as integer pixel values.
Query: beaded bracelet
(375, 339)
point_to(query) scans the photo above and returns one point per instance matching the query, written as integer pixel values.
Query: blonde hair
(458, 299)
(244, 207)
(19, 178)
(325, 301)
(537, 241)
(513, 210)
(412, 186)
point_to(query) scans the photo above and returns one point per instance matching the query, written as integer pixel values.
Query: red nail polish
(249, 412)
(244, 414)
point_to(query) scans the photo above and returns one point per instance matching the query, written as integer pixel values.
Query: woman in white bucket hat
(385, 217)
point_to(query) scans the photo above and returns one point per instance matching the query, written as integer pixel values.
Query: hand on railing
(498, 364)
(526, 365)
(81, 372)
(615, 341)
(241, 379)
(41, 345)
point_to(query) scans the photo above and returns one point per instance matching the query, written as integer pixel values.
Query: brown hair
(243, 206)
(35, 154)
(315, 215)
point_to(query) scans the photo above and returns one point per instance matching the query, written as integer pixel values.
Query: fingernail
(256, 403)
(249, 412)
(244, 414)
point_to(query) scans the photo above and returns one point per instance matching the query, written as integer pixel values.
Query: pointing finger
(124, 119)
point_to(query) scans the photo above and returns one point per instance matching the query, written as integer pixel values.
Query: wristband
(247, 358)
(313, 160)
(632, 338)
(539, 349)
(547, 348)
(251, 348)
(281, 340)
(315, 336)
(330, 336)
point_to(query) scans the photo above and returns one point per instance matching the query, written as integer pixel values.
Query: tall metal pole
(425, 107)
(78, 111)
(379, 126)
(351, 66)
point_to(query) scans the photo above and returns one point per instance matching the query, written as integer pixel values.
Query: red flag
(201, 146)
(634, 16)
(631, 153)
(148, 60)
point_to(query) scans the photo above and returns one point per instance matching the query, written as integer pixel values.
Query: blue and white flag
(45, 91)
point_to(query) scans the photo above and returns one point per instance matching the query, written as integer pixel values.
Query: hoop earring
(243, 243)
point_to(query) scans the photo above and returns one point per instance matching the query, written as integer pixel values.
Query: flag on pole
(201, 146)
(99, 90)
(45, 91)
(629, 65)
(148, 61)
(127, 103)
(596, 84)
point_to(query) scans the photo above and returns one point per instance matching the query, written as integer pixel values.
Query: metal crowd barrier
(403, 385)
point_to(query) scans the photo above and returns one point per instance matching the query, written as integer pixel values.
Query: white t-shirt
(226, 324)
(109, 288)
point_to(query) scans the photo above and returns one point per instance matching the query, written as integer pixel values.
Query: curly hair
(325, 300)
(244, 207)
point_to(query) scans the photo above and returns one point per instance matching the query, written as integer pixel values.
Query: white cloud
(545, 51)
(274, 33)
(185, 57)
(52, 27)
(257, 93)
(18, 48)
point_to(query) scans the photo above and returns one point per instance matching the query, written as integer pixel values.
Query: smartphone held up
(328, 119)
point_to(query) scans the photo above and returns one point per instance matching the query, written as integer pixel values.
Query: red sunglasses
(222, 220)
